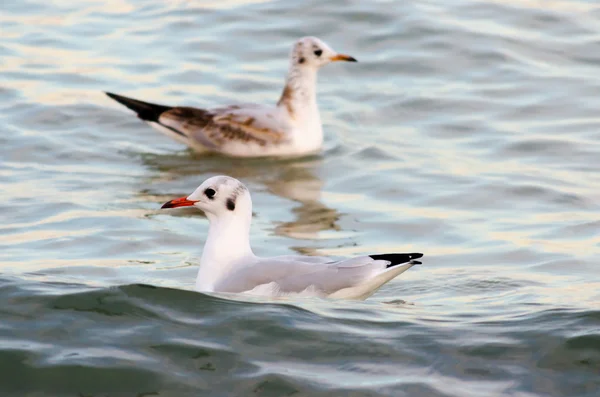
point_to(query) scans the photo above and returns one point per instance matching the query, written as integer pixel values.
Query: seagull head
(220, 197)
(310, 52)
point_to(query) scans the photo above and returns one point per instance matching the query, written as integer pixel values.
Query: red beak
(178, 202)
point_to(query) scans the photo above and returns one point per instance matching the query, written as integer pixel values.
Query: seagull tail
(150, 113)
(146, 111)
(392, 270)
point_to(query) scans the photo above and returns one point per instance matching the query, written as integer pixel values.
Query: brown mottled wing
(218, 127)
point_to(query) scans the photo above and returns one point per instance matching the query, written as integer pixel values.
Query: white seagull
(229, 265)
(290, 128)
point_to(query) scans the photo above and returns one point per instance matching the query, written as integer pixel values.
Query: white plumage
(229, 265)
(289, 128)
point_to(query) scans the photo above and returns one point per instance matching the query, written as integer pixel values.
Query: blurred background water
(469, 131)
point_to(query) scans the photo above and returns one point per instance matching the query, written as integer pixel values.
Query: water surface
(469, 131)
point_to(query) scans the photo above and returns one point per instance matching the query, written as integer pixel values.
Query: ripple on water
(156, 339)
(466, 131)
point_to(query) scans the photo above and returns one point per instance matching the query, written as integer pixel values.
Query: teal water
(468, 131)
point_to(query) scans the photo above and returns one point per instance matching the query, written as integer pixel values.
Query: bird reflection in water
(296, 180)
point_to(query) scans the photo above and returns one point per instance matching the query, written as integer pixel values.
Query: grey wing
(216, 128)
(292, 276)
(334, 276)
(267, 270)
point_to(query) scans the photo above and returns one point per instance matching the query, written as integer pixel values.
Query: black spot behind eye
(230, 204)
(301, 60)
(318, 52)
(210, 193)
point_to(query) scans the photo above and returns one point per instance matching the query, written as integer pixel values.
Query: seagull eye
(210, 193)
(318, 52)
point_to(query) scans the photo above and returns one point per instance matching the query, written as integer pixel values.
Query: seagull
(292, 127)
(229, 265)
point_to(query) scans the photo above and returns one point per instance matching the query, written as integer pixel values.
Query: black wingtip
(116, 97)
(145, 110)
(397, 259)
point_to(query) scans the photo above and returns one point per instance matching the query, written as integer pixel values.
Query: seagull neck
(227, 244)
(299, 95)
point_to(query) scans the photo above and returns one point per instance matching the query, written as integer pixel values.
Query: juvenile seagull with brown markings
(292, 127)
(229, 265)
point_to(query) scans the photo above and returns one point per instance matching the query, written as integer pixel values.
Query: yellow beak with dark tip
(343, 57)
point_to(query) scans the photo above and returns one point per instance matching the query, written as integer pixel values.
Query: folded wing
(219, 127)
(361, 275)
(214, 129)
